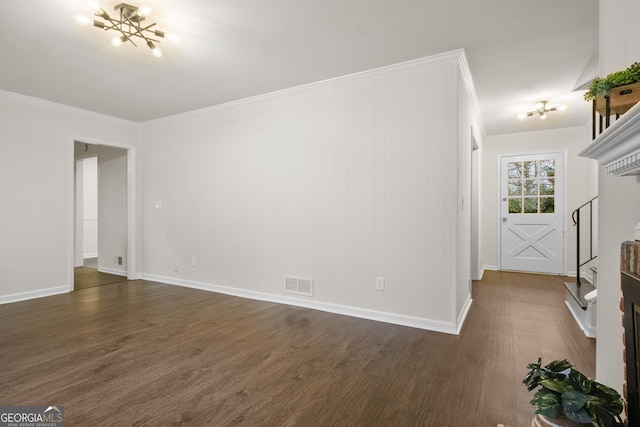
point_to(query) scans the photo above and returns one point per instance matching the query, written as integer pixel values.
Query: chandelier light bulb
(118, 41)
(82, 19)
(543, 116)
(522, 115)
(93, 4)
(144, 9)
(154, 49)
(102, 14)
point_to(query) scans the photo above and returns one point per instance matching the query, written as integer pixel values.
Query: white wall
(37, 191)
(90, 207)
(577, 173)
(476, 221)
(470, 135)
(112, 209)
(619, 196)
(342, 181)
(79, 213)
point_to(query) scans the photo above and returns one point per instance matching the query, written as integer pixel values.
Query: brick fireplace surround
(629, 304)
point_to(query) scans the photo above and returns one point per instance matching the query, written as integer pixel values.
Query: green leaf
(580, 382)
(602, 86)
(547, 403)
(610, 399)
(579, 417)
(531, 380)
(559, 365)
(555, 384)
(602, 417)
(573, 401)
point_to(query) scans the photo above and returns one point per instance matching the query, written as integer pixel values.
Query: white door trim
(565, 179)
(132, 240)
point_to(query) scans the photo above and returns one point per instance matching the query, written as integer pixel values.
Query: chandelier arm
(121, 30)
(129, 25)
(147, 28)
(114, 26)
(138, 30)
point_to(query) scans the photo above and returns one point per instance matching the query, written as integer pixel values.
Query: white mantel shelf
(617, 148)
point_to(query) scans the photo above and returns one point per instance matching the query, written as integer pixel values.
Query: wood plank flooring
(84, 277)
(147, 354)
(88, 276)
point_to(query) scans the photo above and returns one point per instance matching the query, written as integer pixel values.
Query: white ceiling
(519, 52)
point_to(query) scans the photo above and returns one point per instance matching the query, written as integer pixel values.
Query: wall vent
(298, 285)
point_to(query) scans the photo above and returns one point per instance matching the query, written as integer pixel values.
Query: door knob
(504, 219)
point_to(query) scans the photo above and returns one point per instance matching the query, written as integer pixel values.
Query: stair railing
(575, 216)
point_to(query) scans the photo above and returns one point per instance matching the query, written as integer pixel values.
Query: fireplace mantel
(617, 148)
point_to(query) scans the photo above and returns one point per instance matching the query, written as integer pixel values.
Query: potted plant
(621, 87)
(566, 393)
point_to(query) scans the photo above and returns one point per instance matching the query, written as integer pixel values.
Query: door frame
(132, 233)
(565, 249)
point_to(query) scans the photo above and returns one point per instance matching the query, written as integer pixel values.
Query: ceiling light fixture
(128, 25)
(542, 108)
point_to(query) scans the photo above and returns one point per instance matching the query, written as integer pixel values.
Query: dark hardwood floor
(147, 354)
(88, 276)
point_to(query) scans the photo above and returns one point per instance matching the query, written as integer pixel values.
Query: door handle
(504, 219)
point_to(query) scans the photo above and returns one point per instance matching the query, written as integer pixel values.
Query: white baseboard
(112, 271)
(579, 316)
(398, 319)
(91, 255)
(463, 314)
(41, 293)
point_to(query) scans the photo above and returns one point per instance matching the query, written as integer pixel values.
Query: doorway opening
(104, 214)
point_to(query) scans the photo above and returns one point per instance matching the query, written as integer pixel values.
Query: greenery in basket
(564, 390)
(602, 86)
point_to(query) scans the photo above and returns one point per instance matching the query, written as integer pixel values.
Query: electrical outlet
(175, 266)
(193, 261)
(119, 260)
(379, 283)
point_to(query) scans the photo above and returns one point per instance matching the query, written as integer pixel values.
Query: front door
(531, 213)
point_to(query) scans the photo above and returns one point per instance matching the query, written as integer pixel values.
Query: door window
(531, 186)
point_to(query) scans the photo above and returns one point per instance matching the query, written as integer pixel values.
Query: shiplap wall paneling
(340, 189)
(393, 190)
(361, 191)
(420, 98)
(343, 181)
(440, 191)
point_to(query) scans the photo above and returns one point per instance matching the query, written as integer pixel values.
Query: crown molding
(451, 56)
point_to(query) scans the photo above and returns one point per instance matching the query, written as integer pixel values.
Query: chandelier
(542, 108)
(128, 24)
